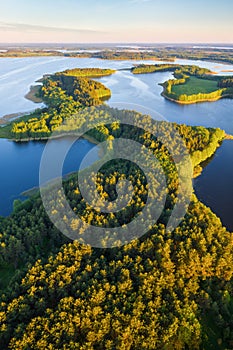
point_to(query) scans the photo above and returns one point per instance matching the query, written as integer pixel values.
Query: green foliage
(87, 72)
(64, 95)
(126, 55)
(226, 82)
(164, 291)
(149, 294)
(200, 97)
(192, 84)
(16, 204)
(179, 70)
(153, 68)
(200, 142)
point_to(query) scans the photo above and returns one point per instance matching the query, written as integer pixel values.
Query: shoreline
(10, 117)
(55, 137)
(227, 71)
(31, 95)
(228, 137)
(196, 101)
(168, 59)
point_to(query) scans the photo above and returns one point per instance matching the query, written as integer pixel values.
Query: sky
(116, 21)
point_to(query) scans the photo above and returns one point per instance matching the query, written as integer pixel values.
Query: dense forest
(180, 71)
(226, 82)
(87, 72)
(127, 55)
(153, 68)
(166, 290)
(64, 93)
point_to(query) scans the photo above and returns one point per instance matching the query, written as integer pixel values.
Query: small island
(192, 84)
(64, 94)
(87, 72)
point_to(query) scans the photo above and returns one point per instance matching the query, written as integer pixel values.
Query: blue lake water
(215, 186)
(20, 162)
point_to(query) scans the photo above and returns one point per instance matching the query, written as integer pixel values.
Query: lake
(20, 162)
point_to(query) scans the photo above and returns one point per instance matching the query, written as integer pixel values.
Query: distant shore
(227, 70)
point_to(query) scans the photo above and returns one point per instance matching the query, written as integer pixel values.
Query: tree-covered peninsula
(192, 84)
(166, 290)
(64, 94)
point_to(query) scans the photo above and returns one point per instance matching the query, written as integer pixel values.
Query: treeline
(169, 84)
(180, 71)
(213, 139)
(165, 53)
(226, 83)
(29, 53)
(201, 53)
(63, 95)
(120, 55)
(153, 68)
(201, 97)
(87, 72)
(127, 55)
(184, 71)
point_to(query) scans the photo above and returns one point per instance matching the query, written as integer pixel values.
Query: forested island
(64, 94)
(166, 290)
(192, 84)
(87, 72)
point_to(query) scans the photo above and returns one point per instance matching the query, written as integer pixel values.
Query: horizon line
(117, 42)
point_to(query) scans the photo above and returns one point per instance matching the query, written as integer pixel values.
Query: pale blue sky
(116, 21)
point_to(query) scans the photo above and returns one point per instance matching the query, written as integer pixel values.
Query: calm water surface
(20, 162)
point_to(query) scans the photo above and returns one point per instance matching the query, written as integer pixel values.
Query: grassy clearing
(195, 86)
